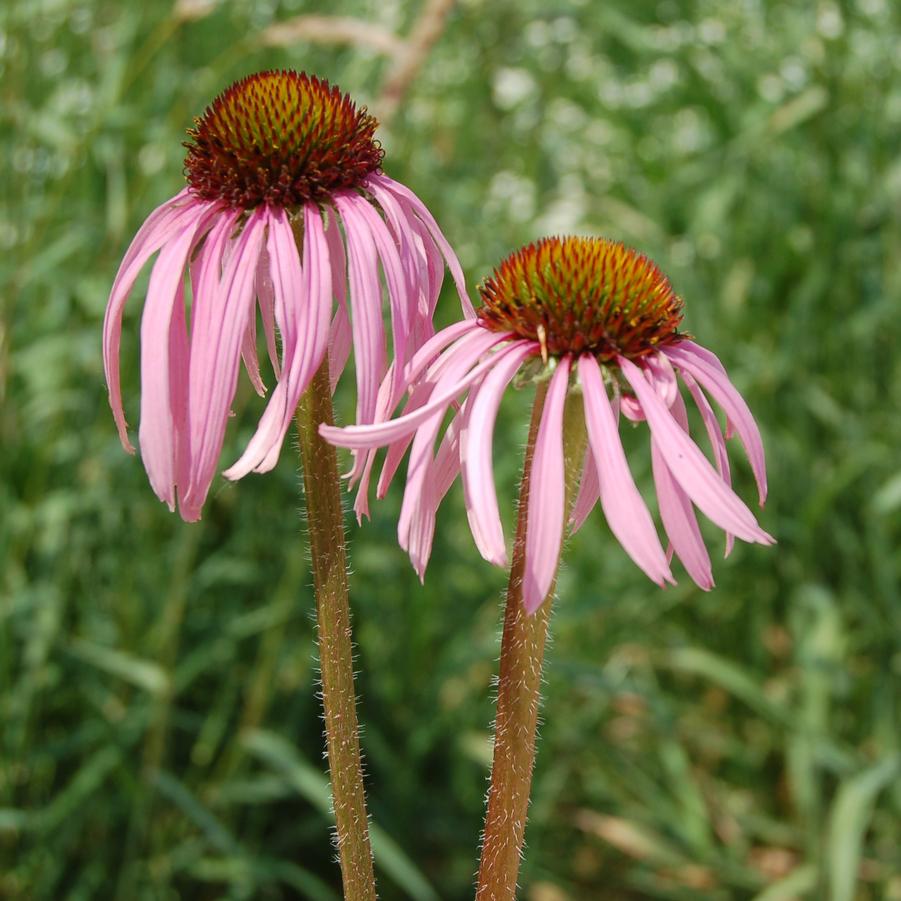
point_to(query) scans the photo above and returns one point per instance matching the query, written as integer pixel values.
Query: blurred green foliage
(160, 725)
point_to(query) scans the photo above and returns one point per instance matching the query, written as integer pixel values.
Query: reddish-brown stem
(325, 520)
(519, 685)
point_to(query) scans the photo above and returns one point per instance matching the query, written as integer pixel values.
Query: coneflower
(591, 316)
(277, 166)
(596, 325)
(287, 210)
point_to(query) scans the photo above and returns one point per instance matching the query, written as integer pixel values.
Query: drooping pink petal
(718, 445)
(309, 292)
(430, 287)
(417, 490)
(710, 357)
(419, 394)
(476, 451)
(414, 205)
(382, 433)
(366, 321)
(440, 476)
(690, 467)
(383, 406)
(266, 300)
(166, 221)
(589, 493)
(206, 269)
(340, 339)
(625, 510)
(157, 431)
(423, 265)
(589, 486)
(544, 524)
(179, 368)
(421, 256)
(707, 369)
(249, 356)
(662, 377)
(450, 384)
(215, 356)
(424, 357)
(402, 302)
(421, 529)
(447, 461)
(434, 266)
(678, 514)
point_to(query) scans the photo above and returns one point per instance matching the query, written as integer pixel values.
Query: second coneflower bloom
(595, 317)
(286, 209)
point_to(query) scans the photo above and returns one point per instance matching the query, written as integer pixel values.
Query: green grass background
(161, 735)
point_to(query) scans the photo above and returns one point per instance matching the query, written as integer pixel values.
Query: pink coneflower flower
(594, 316)
(279, 161)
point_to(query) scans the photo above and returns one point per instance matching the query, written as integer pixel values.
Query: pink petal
(707, 369)
(309, 292)
(402, 301)
(423, 265)
(678, 514)
(179, 368)
(341, 337)
(419, 395)
(159, 334)
(689, 466)
(544, 525)
(396, 449)
(626, 512)
(421, 529)
(164, 223)
(426, 354)
(713, 360)
(430, 287)
(266, 300)
(215, 356)
(340, 341)
(447, 461)
(380, 434)
(366, 296)
(718, 445)
(385, 404)
(440, 477)
(589, 486)
(478, 475)
(589, 493)
(412, 204)
(249, 356)
(450, 385)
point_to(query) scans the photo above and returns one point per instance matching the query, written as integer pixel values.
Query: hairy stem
(325, 517)
(519, 684)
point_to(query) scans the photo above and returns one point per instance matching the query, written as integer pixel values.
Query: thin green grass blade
(848, 822)
(313, 785)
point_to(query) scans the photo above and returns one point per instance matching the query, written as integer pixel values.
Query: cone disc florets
(282, 138)
(576, 295)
